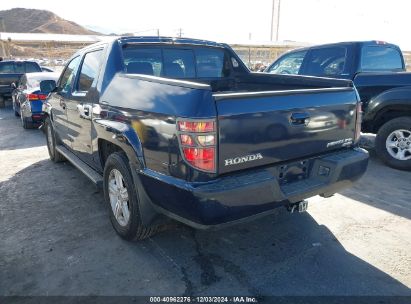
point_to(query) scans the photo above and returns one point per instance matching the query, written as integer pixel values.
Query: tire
(16, 113)
(54, 155)
(397, 156)
(127, 223)
(24, 123)
(2, 102)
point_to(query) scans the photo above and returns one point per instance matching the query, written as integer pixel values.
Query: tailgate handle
(300, 119)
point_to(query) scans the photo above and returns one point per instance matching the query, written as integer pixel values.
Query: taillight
(358, 122)
(196, 126)
(198, 143)
(201, 158)
(32, 97)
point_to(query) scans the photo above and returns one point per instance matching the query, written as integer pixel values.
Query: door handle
(297, 119)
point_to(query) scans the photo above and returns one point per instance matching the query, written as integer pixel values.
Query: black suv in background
(10, 73)
(378, 71)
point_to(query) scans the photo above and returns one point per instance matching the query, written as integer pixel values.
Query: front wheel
(121, 197)
(393, 143)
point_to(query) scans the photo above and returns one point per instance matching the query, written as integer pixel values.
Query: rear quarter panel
(150, 108)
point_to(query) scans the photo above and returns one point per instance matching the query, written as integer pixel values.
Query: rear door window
(89, 70)
(288, 64)
(327, 62)
(380, 58)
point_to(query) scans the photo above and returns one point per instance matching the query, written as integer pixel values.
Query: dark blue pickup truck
(10, 74)
(378, 71)
(180, 128)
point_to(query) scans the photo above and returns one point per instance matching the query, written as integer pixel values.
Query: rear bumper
(32, 111)
(242, 196)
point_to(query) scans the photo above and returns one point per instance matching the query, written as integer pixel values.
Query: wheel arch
(388, 113)
(120, 137)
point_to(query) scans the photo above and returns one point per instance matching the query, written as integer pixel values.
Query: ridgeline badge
(242, 159)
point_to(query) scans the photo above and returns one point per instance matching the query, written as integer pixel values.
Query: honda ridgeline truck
(181, 128)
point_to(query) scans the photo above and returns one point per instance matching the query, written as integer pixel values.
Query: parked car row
(181, 129)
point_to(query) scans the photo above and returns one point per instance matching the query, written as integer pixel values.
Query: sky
(309, 21)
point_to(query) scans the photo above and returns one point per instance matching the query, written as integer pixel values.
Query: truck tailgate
(262, 128)
(6, 80)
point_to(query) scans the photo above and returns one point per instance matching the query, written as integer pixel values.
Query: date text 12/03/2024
(238, 299)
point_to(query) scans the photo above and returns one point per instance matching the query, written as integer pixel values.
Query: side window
(6, 67)
(67, 79)
(178, 63)
(326, 62)
(289, 64)
(142, 60)
(380, 58)
(32, 67)
(210, 63)
(19, 67)
(89, 70)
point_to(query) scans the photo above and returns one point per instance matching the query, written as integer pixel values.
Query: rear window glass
(326, 61)
(32, 67)
(6, 67)
(174, 62)
(377, 58)
(210, 63)
(34, 82)
(147, 61)
(20, 67)
(178, 63)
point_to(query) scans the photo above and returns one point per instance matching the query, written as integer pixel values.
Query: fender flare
(126, 138)
(393, 99)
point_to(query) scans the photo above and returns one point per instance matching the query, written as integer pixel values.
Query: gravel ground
(56, 239)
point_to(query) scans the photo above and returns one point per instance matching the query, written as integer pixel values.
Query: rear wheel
(55, 156)
(24, 123)
(16, 113)
(393, 143)
(121, 197)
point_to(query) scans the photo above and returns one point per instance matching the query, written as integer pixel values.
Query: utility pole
(3, 29)
(180, 32)
(275, 20)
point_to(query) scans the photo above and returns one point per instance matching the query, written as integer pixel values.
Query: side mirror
(13, 85)
(47, 86)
